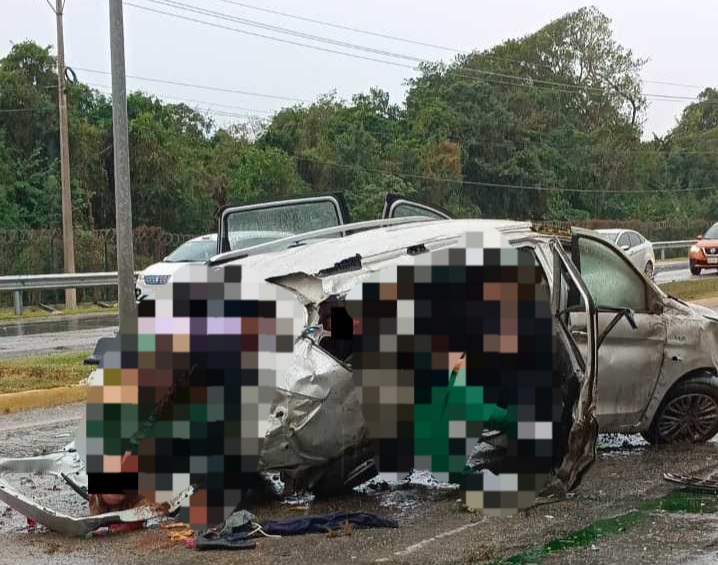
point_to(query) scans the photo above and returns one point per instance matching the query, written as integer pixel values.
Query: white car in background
(636, 247)
(197, 250)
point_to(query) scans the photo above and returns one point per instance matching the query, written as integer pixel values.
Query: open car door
(396, 206)
(248, 225)
(571, 296)
(631, 329)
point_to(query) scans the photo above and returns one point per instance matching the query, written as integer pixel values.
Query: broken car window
(406, 210)
(611, 280)
(251, 227)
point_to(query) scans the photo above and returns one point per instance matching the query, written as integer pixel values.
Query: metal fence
(31, 252)
(18, 284)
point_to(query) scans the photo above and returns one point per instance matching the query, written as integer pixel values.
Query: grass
(31, 399)
(693, 289)
(42, 372)
(29, 312)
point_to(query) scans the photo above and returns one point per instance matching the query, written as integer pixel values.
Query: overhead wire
(201, 86)
(536, 188)
(487, 76)
(407, 40)
(20, 110)
(251, 111)
(260, 35)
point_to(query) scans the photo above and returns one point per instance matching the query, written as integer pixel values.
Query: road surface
(616, 516)
(39, 337)
(676, 271)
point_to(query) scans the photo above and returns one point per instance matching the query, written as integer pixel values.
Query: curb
(44, 398)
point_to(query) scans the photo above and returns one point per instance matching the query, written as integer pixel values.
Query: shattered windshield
(249, 227)
(193, 251)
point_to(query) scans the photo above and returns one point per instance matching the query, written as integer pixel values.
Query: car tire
(648, 270)
(688, 413)
(695, 270)
(345, 473)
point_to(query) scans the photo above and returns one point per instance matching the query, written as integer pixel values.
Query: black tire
(688, 413)
(695, 270)
(346, 472)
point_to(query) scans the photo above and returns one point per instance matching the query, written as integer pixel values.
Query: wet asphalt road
(39, 337)
(433, 529)
(678, 271)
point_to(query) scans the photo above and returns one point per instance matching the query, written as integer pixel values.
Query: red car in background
(704, 252)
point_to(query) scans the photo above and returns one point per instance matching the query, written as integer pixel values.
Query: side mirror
(699, 237)
(625, 247)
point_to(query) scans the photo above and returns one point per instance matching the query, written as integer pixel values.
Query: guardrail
(18, 283)
(663, 245)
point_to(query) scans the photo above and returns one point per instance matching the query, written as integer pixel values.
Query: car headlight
(140, 279)
(695, 249)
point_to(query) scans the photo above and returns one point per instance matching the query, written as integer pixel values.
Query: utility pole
(68, 235)
(123, 199)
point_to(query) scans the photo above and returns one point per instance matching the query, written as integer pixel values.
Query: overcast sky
(678, 37)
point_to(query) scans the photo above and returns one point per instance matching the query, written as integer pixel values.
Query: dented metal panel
(691, 347)
(316, 413)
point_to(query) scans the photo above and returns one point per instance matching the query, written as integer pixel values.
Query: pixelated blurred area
(455, 343)
(185, 400)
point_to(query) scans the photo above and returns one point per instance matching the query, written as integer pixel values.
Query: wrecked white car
(629, 357)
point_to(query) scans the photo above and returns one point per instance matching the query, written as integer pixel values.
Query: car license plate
(712, 260)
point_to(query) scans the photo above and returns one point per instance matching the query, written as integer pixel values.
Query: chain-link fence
(31, 252)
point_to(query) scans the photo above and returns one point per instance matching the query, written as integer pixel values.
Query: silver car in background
(636, 247)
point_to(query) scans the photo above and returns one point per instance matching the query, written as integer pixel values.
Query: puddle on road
(58, 326)
(679, 501)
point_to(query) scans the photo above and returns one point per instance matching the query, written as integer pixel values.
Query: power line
(535, 188)
(296, 43)
(252, 111)
(521, 81)
(342, 27)
(202, 87)
(408, 41)
(19, 110)
(378, 130)
(279, 29)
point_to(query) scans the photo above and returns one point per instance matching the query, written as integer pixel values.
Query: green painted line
(676, 502)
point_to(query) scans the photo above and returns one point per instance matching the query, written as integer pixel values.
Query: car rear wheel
(695, 270)
(345, 473)
(689, 413)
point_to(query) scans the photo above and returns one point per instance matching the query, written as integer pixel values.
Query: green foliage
(547, 126)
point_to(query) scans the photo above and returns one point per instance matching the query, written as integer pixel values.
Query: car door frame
(654, 306)
(223, 213)
(581, 438)
(393, 201)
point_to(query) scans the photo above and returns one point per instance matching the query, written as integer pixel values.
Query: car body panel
(637, 367)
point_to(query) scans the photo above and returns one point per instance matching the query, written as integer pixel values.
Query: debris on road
(709, 484)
